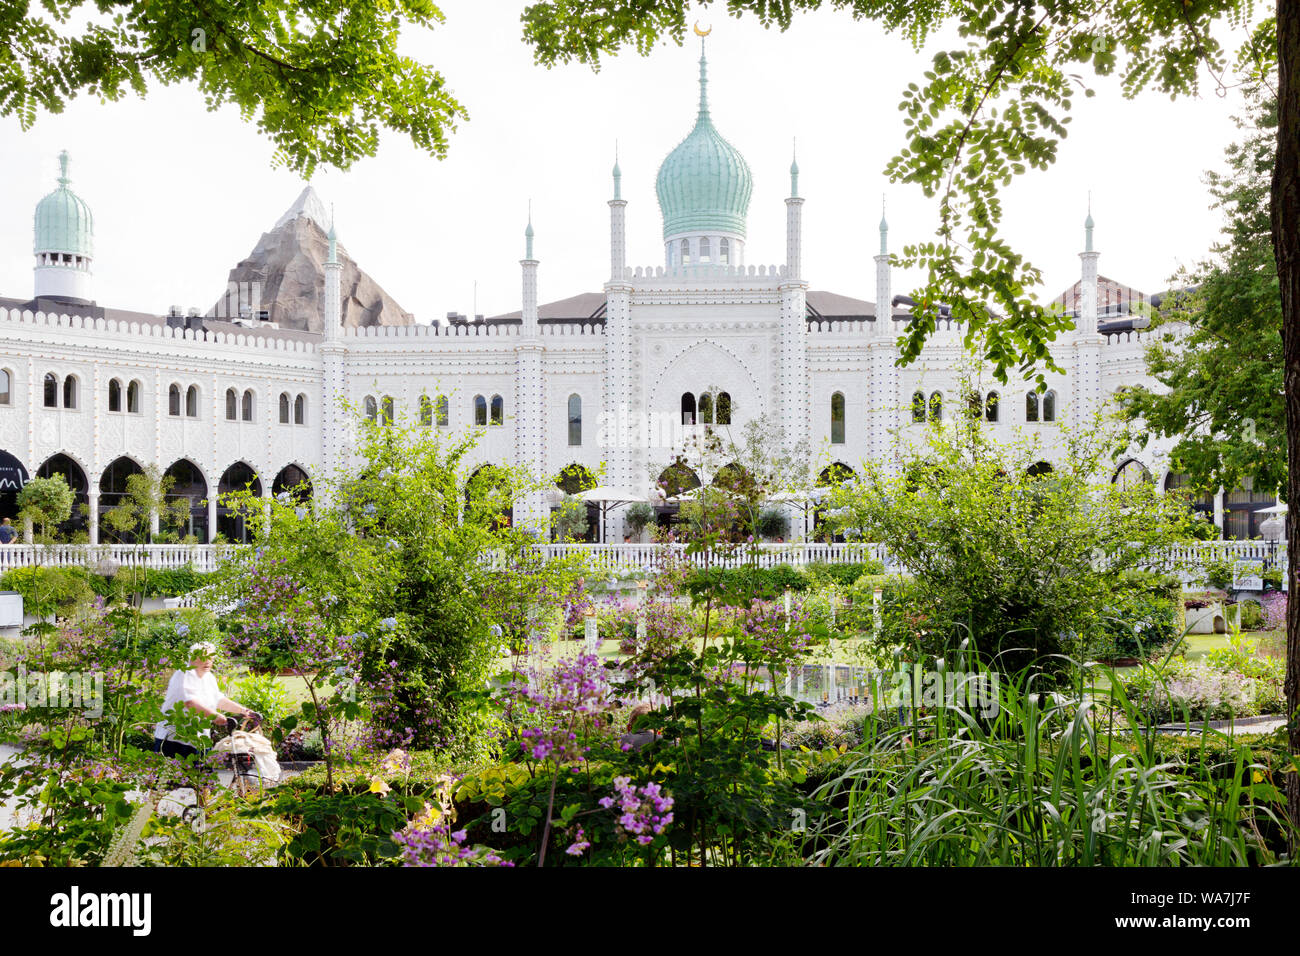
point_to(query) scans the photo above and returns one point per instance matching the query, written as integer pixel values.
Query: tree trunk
(1286, 246)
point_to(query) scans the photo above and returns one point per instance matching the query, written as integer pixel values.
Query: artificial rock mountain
(285, 273)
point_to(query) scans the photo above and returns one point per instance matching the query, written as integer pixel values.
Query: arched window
(706, 254)
(498, 410)
(248, 405)
(6, 386)
(688, 408)
(51, 390)
(575, 419)
(70, 392)
(705, 409)
(387, 408)
(837, 418)
(918, 407)
(1049, 407)
(174, 399)
(114, 395)
(991, 406)
(686, 252)
(722, 408)
(232, 405)
(426, 411)
(480, 410)
(724, 252)
(1031, 406)
(300, 409)
(974, 407)
(444, 411)
(371, 409)
(192, 402)
(133, 392)
(936, 407)
(1132, 474)
(284, 408)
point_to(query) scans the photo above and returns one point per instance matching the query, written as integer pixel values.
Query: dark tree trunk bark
(1286, 246)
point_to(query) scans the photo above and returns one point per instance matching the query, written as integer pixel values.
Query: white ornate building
(608, 380)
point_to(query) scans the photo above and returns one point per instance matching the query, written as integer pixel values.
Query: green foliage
(46, 503)
(772, 523)
(1219, 573)
(47, 590)
(147, 497)
(265, 694)
(1042, 779)
(1221, 389)
(638, 515)
(1140, 617)
(570, 522)
(739, 586)
(321, 85)
(1026, 567)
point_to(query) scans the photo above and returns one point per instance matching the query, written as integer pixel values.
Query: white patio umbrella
(1278, 509)
(609, 498)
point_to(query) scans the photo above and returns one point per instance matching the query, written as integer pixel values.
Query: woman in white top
(197, 689)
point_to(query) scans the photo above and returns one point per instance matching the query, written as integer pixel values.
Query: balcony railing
(606, 558)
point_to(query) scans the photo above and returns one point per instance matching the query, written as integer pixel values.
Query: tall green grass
(1041, 784)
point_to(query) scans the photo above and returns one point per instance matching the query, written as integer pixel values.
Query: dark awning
(12, 473)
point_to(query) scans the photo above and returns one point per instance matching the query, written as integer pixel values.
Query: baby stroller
(245, 746)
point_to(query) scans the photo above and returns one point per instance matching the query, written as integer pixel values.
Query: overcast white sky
(180, 195)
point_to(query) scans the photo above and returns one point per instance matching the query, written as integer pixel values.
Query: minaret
(530, 393)
(1085, 386)
(529, 266)
(794, 324)
(883, 406)
(618, 431)
(617, 225)
(884, 294)
(64, 242)
(1087, 321)
(794, 225)
(335, 420)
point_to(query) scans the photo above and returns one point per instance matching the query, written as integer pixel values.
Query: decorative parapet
(148, 330)
(705, 273)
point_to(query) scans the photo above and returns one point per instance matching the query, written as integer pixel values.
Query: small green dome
(63, 220)
(704, 185)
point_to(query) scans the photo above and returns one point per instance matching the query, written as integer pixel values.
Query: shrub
(1191, 691)
(265, 694)
(1252, 615)
(638, 515)
(49, 590)
(772, 523)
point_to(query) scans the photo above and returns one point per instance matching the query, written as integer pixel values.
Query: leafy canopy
(321, 79)
(1220, 358)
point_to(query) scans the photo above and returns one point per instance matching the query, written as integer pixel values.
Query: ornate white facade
(611, 381)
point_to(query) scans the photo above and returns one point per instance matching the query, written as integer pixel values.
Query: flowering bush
(1192, 691)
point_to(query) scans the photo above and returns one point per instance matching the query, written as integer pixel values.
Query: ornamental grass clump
(1047, 782)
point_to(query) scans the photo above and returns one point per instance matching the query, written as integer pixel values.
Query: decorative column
(1086, 388)
(885, 412)
(793, 358)
(530, 394)
(334, 424)
(619, 431)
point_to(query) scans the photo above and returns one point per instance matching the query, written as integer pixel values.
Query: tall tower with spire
(530, 390)
(793, 358)
(64, 243)
(618, 426)
(1086, 384)
(882, 389)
